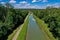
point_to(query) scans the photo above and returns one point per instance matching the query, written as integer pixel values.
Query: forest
(11, 18)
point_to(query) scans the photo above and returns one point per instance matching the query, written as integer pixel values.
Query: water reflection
(34, 32)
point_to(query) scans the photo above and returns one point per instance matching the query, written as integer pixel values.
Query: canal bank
(44, 28)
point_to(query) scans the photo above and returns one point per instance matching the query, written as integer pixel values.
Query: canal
(34, 32)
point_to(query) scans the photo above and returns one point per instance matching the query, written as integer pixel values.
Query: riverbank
(22, 34)
(44, 27)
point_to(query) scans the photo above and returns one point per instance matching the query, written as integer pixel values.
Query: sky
(37, 4)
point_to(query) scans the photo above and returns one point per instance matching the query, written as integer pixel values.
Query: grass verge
(22, 35)
(44, 27)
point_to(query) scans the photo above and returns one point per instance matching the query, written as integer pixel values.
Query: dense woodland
(10, 19)
(51, 16)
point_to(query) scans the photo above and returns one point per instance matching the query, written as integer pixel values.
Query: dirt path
(17, 33)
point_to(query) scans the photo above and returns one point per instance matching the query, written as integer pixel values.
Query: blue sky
(38, 4)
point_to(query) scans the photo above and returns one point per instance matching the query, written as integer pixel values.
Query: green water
(34, 32)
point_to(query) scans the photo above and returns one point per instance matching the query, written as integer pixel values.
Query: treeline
(51, 16)
(10, 19)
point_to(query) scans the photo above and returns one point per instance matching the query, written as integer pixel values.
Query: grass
(12, 35)
(22, 35)
(44, 27)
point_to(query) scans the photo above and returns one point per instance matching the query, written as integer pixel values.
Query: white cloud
(29, 6)
(36, 1)
(23, 2)
(45, 1)
(3, 3)
(12, 1)
(39, 1)
(56, 5)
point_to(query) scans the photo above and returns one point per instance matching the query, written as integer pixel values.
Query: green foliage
(10, 19)
(51, 16)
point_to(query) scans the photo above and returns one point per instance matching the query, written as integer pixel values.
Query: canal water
(34, 32)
